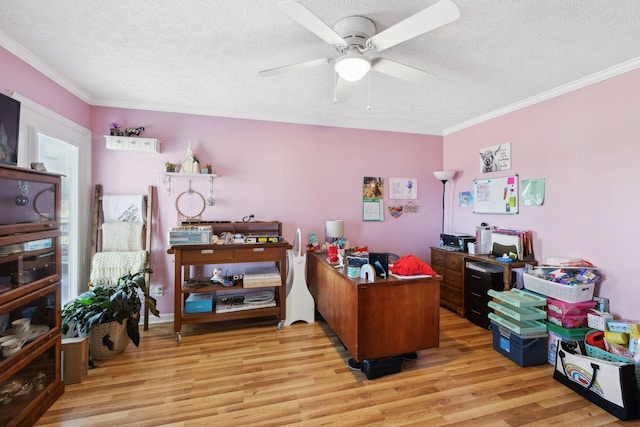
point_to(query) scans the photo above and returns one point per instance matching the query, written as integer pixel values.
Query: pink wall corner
(298, 174)
(585, 145)
(18, 76)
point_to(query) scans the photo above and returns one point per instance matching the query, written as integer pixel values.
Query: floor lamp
(443, 176)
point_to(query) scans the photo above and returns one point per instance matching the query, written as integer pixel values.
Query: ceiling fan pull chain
(368, 91)
(335, 87)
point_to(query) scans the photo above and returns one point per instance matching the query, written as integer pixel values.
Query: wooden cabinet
(377, 319)
(451, 266)
(30, 265)
(187, 256)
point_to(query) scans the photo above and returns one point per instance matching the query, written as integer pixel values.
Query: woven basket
(117, 333)
(598, 353)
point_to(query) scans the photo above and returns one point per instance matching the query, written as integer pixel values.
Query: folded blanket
(108, 267)
(122, 236)
(123, 208)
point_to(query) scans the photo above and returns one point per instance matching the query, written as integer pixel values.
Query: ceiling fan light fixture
(352, 66)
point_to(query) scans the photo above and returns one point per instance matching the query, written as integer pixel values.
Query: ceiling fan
(353, 36)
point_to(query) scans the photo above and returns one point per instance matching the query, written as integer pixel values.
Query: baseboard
(164, 318)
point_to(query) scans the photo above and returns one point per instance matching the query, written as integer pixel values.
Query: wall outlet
(158, 291)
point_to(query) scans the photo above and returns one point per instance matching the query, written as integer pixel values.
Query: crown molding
(614, 71)
(27, 56)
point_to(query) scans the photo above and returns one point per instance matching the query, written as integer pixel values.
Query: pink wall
(300, 175)
(17, 76)
(586, 146)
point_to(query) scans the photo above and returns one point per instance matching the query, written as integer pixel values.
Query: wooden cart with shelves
(30, 272)
(187, 256)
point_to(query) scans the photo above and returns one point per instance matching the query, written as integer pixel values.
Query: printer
(455, 241)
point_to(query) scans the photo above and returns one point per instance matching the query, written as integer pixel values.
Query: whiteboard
(498, 195)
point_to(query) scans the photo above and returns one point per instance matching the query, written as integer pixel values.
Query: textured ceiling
(203, 57)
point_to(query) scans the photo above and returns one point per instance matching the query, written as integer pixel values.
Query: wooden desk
(451, 266)
(384, 318)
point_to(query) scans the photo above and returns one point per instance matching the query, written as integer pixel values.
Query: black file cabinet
(479, 278)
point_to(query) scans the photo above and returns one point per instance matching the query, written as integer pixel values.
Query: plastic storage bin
(605, 355)
(566, 293)
(568, 320)
(572, 333)
(516, 310)
(199, 303)
(528, 351)
(571, 308)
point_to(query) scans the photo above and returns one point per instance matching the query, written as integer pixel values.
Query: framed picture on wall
(9, 128)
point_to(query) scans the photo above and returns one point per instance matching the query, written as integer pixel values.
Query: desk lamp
(334, 231)
(443, 176)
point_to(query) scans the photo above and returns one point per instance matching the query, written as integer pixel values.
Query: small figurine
(134, 131)
(218, 276)
(190, 164)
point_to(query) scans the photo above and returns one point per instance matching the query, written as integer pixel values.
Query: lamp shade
(335, 228)
(444, 175)
(352, 66)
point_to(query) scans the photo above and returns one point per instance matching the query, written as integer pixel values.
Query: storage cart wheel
(178, 337)
(280, 324)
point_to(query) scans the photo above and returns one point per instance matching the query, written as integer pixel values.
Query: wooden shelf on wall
(132, 143)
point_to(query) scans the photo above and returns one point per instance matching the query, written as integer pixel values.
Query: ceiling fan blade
(342, 89)
(307, 19)
(435, 16)
(302, 65)
(401, 71)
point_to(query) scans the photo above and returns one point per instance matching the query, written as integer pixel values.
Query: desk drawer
(440, 270)
(454, 262)
(452, 295)
(206, 256)
(437, 259)
(453, 279)
(257, 254)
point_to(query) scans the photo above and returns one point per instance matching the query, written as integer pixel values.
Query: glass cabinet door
(29, 201)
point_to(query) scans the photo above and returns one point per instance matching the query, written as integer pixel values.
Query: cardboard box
(75, 359)
(38, 244)
(625, 326)
(199, 302)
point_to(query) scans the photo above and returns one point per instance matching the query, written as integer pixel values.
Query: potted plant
(114, 129)
(109, 315)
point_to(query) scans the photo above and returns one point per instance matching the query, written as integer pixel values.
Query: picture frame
(9, 129)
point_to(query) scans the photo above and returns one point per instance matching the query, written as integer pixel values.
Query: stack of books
(506, 240)
(259, 277)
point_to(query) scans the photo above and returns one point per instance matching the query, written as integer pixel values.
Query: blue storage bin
(199, 303)
(525, 351)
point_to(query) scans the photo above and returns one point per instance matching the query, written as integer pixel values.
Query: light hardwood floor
(248, 373)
